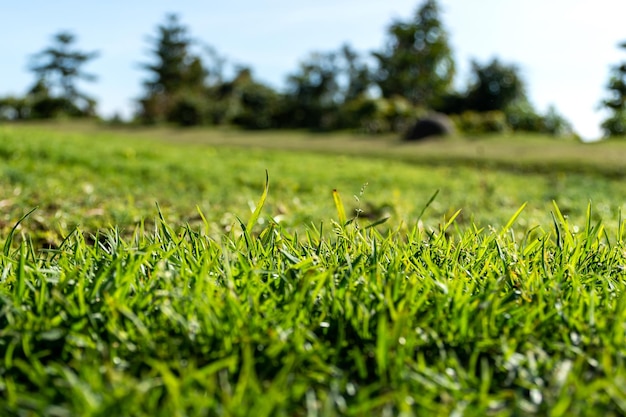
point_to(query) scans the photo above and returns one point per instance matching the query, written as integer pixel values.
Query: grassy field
(159, 275)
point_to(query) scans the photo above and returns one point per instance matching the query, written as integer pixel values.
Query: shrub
(615, 125)
(522, 117)
(188, 110)
(258, 106)
(477, 123)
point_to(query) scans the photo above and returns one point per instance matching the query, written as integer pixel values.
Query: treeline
(384, 91)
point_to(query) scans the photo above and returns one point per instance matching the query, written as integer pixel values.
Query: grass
(235, 299)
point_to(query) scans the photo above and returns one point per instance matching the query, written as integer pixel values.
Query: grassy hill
(159, 275)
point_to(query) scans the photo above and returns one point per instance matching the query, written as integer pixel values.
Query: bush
(557, 125)
(55, 107)
(258, 106)
(188, 110)
(14, 108)
(522, 117)
(360, 113)
(615, 125)
(380, 115)
(472, 122)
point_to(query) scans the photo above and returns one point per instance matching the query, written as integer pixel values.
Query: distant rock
(435, 124)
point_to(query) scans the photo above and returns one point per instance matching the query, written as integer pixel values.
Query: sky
(563, 48)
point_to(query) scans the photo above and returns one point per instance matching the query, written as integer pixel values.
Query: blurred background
(549, 63)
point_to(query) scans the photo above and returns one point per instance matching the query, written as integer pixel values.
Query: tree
(495, 86)
(615, 124)
(177, 81)
(58, 69)
(254, 105)
(322, 86)
(417, 62)
(313, 92)
(358, 77)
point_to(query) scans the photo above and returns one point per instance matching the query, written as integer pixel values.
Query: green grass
(227, 299)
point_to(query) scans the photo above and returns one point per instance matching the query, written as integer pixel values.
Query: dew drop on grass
(562, 371)
(535, 396)
(325, 324)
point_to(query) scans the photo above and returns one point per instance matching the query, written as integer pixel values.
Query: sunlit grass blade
(163, 225)
(377, 223)
(451, 220)
(257, 211)
(341, 211)
(9, 240)
(513, 218)
(428, 203)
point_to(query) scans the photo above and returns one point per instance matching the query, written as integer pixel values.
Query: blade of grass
(430, 201)
(508, 225)
(341, 211)
(377, 222)
(9, 241)
(257, 212)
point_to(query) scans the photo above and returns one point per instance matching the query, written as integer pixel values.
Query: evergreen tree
(615, 124)
(177, 82)
(417, 63)
(356, 73)
(58, 69)
(313, 92)
(495, 86)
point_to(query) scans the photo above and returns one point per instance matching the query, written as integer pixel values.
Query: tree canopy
(174, 71)
(189, 83)
(615, 103)
(417, 62)
(58, 68)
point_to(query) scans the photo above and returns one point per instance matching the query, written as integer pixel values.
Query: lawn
(160, 274)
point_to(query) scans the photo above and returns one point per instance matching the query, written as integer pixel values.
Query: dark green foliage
(175, 89)
(325, 91)
(259, 106)
(495, 101)
(472, 122)
(175, 67)
(555, 124)
(356, 75)
(188, 110)
(380, 115)
(312, 97)
(58, 69)
(521, 116)
(495, 87)
(14, 108)
(54, 95)
(417, 62)
(615, 123)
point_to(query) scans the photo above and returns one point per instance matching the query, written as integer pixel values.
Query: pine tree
(58, 69)
(615, 124)
(417, 63)
(177, 81)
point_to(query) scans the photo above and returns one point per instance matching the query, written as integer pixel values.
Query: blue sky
(541, 37)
